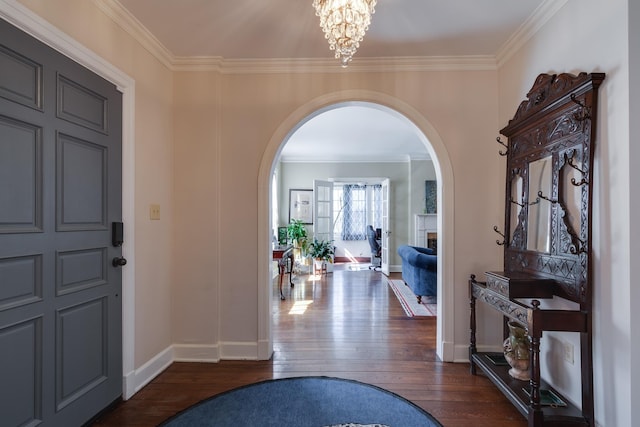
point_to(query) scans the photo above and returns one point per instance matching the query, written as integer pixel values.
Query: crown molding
(528, 29)
(129, 23)
(360, 65)
(198, 63)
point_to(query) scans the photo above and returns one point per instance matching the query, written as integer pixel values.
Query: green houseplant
(297, 234)
(296, 231)
(321, 250)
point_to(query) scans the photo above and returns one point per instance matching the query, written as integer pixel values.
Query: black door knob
(119, 261)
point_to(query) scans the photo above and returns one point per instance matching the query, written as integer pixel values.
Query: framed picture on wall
(430, 197)
(301, 205)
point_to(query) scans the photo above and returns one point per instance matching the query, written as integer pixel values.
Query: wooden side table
(283, 254)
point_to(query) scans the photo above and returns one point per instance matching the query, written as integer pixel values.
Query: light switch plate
(567, 352)
(154, 212)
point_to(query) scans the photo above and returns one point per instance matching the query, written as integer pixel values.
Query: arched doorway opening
(434, 145)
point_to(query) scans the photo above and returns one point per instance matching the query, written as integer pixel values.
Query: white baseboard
(196, 353)
(238, 351)
(147, 372)
(462, 352)
(265, 351)
(128, 385)
(136, 380)
(448, 351)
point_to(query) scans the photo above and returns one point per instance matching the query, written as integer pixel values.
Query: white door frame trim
(444, 173)
(31, 23)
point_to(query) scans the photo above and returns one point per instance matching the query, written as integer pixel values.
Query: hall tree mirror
(539, 219)
(516, 207)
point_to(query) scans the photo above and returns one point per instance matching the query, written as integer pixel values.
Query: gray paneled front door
(60, 191)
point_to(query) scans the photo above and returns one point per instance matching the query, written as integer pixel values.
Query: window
(355, 207)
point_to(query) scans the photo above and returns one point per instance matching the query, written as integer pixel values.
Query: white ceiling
(358, 132)
(251, 29)
(288, 29)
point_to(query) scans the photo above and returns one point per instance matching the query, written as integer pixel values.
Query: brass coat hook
(504, 239)
(502, 153)
(522, 205)
(543, 197)
(583, 181)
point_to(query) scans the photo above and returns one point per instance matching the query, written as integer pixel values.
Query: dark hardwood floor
(349, 325)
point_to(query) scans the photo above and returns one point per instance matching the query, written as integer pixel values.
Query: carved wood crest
(555, 122)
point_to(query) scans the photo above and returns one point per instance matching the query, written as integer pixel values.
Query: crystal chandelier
(344, 23)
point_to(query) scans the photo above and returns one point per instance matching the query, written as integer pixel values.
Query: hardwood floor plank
(347, 325)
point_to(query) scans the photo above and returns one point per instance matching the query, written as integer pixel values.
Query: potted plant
(321, 252)
(297, 235)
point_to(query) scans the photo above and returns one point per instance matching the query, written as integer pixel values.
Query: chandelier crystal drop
(344, 23)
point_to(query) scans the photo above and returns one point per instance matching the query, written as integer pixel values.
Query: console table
(283, 254)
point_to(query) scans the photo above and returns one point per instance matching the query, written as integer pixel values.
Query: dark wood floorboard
(349, 325)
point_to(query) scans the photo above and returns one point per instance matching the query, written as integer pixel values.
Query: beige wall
(196, 179)
(587, 36)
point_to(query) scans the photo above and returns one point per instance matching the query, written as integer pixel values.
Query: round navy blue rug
(305, 402)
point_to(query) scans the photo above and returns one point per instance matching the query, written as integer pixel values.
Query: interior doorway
(431, 143)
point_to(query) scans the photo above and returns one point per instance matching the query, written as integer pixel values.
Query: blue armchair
(419, 270)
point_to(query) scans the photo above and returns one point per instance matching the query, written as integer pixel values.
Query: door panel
(323, 212)
(60, 191)
(21, 167)
(79, 372)
(21, 281)
(323, 209)
(81, 184)
(24, 386)
(20, 78)
(80, 105)
(384, 258)
(80, 269)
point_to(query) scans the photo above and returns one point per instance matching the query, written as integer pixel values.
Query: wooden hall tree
(547, 241)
